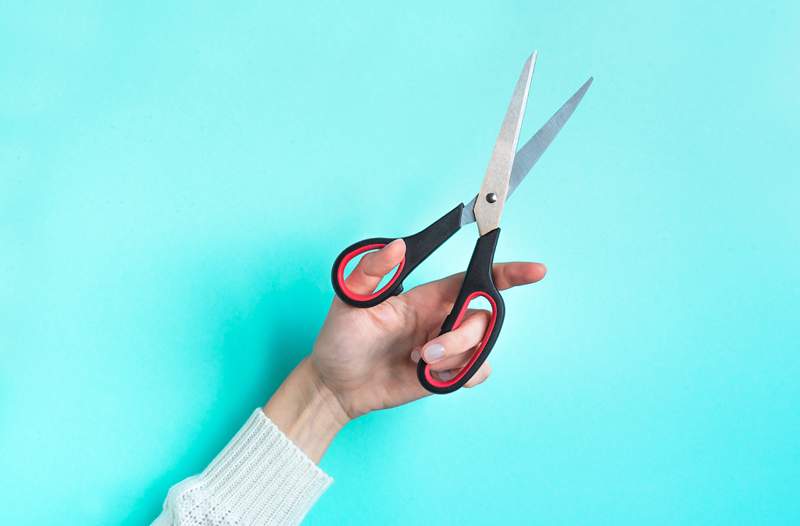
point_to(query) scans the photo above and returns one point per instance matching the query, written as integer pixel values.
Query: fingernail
(394, 242)
(415, 356)
(433, 352)
(446, 375)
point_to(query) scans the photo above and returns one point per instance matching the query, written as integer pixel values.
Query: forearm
(267, 474)
(306, 411)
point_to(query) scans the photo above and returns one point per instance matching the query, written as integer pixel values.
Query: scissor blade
(533, 149)
(494, 189)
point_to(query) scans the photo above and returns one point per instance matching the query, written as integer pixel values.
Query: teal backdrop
(177, 177)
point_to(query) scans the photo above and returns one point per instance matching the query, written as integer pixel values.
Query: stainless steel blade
(494, 190)
(533, 149)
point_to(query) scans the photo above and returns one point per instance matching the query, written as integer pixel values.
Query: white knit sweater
(260, 477)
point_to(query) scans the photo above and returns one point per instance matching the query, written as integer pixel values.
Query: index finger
(506, 275)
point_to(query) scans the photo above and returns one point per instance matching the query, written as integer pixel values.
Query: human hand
(365, 359)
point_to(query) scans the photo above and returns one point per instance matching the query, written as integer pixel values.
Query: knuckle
(367, 264)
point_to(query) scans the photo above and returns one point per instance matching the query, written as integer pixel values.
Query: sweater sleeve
(260, 477)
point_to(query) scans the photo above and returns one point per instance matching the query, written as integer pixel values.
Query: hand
(367, 356)
(365, 359)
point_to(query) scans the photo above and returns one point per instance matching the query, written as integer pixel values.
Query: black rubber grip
(478, 281)
(418, 247)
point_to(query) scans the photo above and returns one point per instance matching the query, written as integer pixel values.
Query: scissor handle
(478, 282)
(418, 247)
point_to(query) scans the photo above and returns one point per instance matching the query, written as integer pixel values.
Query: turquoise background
(176, 179)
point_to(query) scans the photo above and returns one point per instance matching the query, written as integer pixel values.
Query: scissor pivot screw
(491, 197)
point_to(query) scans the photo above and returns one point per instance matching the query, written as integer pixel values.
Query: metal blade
(494, 189)
(533, 149)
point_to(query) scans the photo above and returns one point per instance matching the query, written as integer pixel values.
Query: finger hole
(475, 354)
(445, 375)
(369, 267)
(463, 339)
(453, 362)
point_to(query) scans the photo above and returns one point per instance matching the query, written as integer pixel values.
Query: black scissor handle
(418, 247)
(478, 282)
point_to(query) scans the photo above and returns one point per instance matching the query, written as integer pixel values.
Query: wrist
(306, 411)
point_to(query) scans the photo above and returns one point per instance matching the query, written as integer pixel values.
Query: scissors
(507, 168)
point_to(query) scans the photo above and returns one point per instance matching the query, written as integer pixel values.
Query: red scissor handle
(418, 247)
(477, 283)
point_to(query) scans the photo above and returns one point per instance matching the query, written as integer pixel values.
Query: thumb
(374, 266)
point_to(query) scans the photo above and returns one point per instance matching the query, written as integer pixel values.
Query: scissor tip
(531, 60)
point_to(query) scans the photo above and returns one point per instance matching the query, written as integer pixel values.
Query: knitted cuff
(261, 477)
